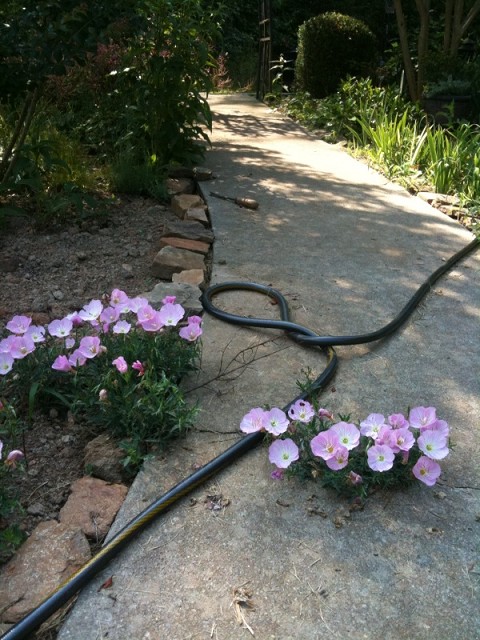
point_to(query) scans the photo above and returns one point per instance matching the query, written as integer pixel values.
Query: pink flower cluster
(385, 441)
(101, 319)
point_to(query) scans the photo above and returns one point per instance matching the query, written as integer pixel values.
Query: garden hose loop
(23, 629)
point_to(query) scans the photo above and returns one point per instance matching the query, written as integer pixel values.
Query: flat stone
(184, 243)
(92, 506)
(186, 295)
(189, 230)
(48, 558)
(170, 260)
(194, 277)
(103, 459)
(197, 214)
(176, 186)
(182, 203)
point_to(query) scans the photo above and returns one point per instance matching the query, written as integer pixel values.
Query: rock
(184, 243)
(36, 509)
(202, 173)
(156, 210)
(189, 230)
(177, 186)
(187, 295)
(182, 203)
(197, 214)
(92, 506)
(194, 277)
(103, 459)
(170, 260)
(58, 295)
(48, 558)
(127, 271)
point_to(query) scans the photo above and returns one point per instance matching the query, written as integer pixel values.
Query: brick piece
(184, 243)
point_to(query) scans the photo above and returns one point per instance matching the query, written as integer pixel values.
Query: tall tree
(458, 16)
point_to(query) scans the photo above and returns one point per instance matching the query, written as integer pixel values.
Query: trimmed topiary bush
(330, 47)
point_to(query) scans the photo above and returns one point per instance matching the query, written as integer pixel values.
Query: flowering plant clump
(118, 362)
(353, 457)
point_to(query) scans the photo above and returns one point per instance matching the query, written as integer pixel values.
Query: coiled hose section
(297, 332)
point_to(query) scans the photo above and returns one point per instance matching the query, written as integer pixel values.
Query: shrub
(330, 47)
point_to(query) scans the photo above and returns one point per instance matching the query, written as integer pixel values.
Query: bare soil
(47, 274)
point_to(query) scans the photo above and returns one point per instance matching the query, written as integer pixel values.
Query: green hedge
(330, 47)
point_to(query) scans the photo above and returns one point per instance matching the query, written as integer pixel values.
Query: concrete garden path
(347, 249)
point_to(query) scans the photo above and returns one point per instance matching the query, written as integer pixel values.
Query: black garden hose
(302, 335)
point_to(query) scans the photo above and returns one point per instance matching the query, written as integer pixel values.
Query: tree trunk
(423, 8)
(407, 59)
(19, 135)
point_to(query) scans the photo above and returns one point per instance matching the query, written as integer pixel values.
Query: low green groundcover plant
(353, 458)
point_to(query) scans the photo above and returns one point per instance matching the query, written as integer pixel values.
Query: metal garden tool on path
(246, 203)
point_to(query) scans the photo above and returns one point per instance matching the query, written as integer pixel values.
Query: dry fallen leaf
(107, 584)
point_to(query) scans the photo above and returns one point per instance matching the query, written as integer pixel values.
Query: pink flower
(19, 324)
(191, 332)
(253, 421)
(422, 417)
(275, 421)
(109, 315)
(14, 457)
(77, 359)
(135, 304)
(355, 478)
(21, 346)
(194, 320)
(103, 395)
(138, 366)
(118, 297)
(325, 413)
(60, 328)
(69, 343)
(325, 444)
(155, 323)
(6, 363)
(371, 426)
(383, 436)
(122, 326)
(61, 363)
(348, 434)
(398, 421)
(283, 452)
(37, 334)
(301, 411)
(169, 300)
(277, 474)
(401, 439)
(75, 318)
(433, 444)
(427, 471)
(339, 460)
(380, 457)
(6, 344)
(121, 364)
(91, 311)
(89, 347)
(171, 314)
(145, 313)
(440, 426)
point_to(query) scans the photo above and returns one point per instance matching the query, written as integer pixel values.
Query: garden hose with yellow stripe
(302, 335)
